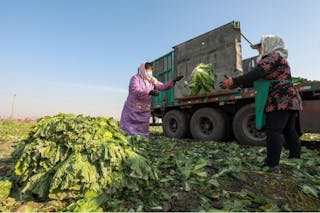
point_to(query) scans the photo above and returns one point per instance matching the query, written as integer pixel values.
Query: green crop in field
(87, 164)
(12, 130)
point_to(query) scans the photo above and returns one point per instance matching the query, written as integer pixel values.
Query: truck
(222, 115)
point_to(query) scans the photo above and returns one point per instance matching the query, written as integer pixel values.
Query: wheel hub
(250, 129)
(173, 124)
(206, 126)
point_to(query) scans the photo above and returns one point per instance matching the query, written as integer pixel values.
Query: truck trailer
(222, 115)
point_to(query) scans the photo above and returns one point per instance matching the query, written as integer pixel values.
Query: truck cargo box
(163, 70)
(249, 63)
(220, 47)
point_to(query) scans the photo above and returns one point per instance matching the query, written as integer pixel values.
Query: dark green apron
(261, 86)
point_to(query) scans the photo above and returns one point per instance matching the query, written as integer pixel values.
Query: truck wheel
(208, 124)
(244, 127)
(175, 124)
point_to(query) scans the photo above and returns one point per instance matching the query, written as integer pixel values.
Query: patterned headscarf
(272, 44)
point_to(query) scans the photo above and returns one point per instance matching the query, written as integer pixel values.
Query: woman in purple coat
(136, 111)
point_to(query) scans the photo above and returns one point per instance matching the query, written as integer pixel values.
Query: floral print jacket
(282, 94)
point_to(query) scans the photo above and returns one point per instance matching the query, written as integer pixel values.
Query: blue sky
(78, 56)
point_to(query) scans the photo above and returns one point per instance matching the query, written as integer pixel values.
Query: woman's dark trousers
(280, 125)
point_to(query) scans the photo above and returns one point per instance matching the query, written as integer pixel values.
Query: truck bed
(311, 87)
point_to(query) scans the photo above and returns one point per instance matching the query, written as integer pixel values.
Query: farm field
(149, 174)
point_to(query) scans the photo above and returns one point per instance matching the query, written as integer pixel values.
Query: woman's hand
(178, 78)
(227, 83)
(154, 92)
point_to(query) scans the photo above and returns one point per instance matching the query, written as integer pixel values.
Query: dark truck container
(223, 114)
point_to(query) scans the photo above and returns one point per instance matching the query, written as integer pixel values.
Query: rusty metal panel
(310, 117)
(220, 47)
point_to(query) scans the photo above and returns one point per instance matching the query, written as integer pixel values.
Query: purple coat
(136, 111)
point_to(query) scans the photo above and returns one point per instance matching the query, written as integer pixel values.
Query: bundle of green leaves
(68, 156)
(203, 78)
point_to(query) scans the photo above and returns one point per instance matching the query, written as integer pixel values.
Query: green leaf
(309, 190)
(186, 186)
(200, 164)
(5, 187)
(214, 182)
(202, 174)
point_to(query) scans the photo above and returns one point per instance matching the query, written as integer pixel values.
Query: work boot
(273, 169)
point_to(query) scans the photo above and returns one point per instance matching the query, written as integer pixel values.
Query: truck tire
(176, 124)
(208, 124)
(244, 127)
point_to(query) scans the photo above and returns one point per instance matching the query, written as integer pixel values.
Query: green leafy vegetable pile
(69, 156)
(203, 78)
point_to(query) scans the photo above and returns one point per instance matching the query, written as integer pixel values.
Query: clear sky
(78, 56)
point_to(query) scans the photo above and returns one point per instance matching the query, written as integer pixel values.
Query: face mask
(149, 74)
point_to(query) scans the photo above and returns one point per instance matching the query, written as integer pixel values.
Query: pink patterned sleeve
(136, 88)
(164, 86)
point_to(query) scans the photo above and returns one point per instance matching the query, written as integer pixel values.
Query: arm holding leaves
(165, 86)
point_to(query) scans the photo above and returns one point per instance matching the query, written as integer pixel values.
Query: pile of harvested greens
(69, 156)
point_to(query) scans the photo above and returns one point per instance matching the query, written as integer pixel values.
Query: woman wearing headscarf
(282, 100)
(136, 111)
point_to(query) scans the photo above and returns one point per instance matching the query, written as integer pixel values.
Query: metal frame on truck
(224, 114)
